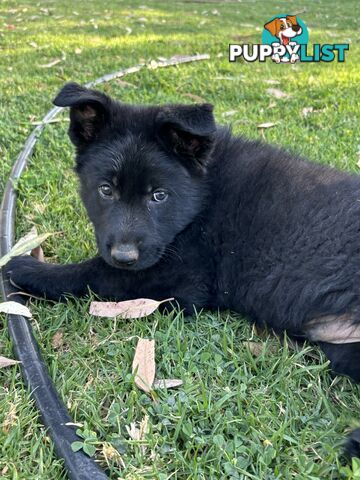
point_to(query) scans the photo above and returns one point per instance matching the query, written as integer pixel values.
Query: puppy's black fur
(181, 208)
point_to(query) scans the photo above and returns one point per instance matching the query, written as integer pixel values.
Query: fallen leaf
(230, 113)
(266, 125)
(5, 470)
(256, 348)
(307, 110)
(275, 92)
(141, 307)
(15, 308)
(10, 418)
(267, 443)
(167, 383)
(57, 340)
(196, 98)
(138, 434)
(27, 243)
(7, 362)
(270, 81)
(110, 453)
(122, 83)
(143, 365)
(51, 64)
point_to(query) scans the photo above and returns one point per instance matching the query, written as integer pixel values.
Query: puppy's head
(284, 28)
(142, 171)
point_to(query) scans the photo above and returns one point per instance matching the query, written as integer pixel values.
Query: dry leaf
(256, 348)
(27, 243)
(167, 383)
(51, 64)
(144, 364)
(196, 98)
(138, 434)
(270, 81)
(266, 125)
(7, 362)
(110, 453)
(307, 110)
(15, 308)
(230, 113)
(5, 470)
(275, 92)
(122, 83)
(10, 418)
(140, 307)
(57, 340)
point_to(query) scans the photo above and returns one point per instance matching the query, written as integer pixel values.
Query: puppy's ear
(292, 19)
(273, 26)
(89, 112)
(188, 132)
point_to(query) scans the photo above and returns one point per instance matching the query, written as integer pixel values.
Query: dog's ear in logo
(294, 24)
(292, 19)
(273, 27)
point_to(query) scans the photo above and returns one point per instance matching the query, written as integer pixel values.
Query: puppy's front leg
(54, 281)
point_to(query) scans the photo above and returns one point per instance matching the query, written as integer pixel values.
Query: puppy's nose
(296, 28)
(125, 254)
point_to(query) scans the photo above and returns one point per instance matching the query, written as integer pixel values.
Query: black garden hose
(53, 412)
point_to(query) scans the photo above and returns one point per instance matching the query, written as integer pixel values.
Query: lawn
(278, 415)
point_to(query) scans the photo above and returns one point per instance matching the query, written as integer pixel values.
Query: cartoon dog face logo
(285, 29)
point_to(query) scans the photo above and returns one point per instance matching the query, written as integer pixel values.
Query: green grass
(276, 416)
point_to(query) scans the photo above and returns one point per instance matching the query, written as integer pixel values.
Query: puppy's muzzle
(125, 254)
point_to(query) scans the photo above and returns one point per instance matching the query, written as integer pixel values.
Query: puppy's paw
(352, 446)
(22, 272)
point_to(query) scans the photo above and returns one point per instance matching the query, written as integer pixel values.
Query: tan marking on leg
(333, 329)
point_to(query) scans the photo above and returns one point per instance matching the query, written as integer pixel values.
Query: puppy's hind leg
(352, 445)
(344, 358)
(339, 338)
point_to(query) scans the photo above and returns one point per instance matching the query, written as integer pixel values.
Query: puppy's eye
(159, 196)
(105, 190)
(282, 27)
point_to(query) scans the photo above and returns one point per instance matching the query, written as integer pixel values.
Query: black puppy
(181, 208)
